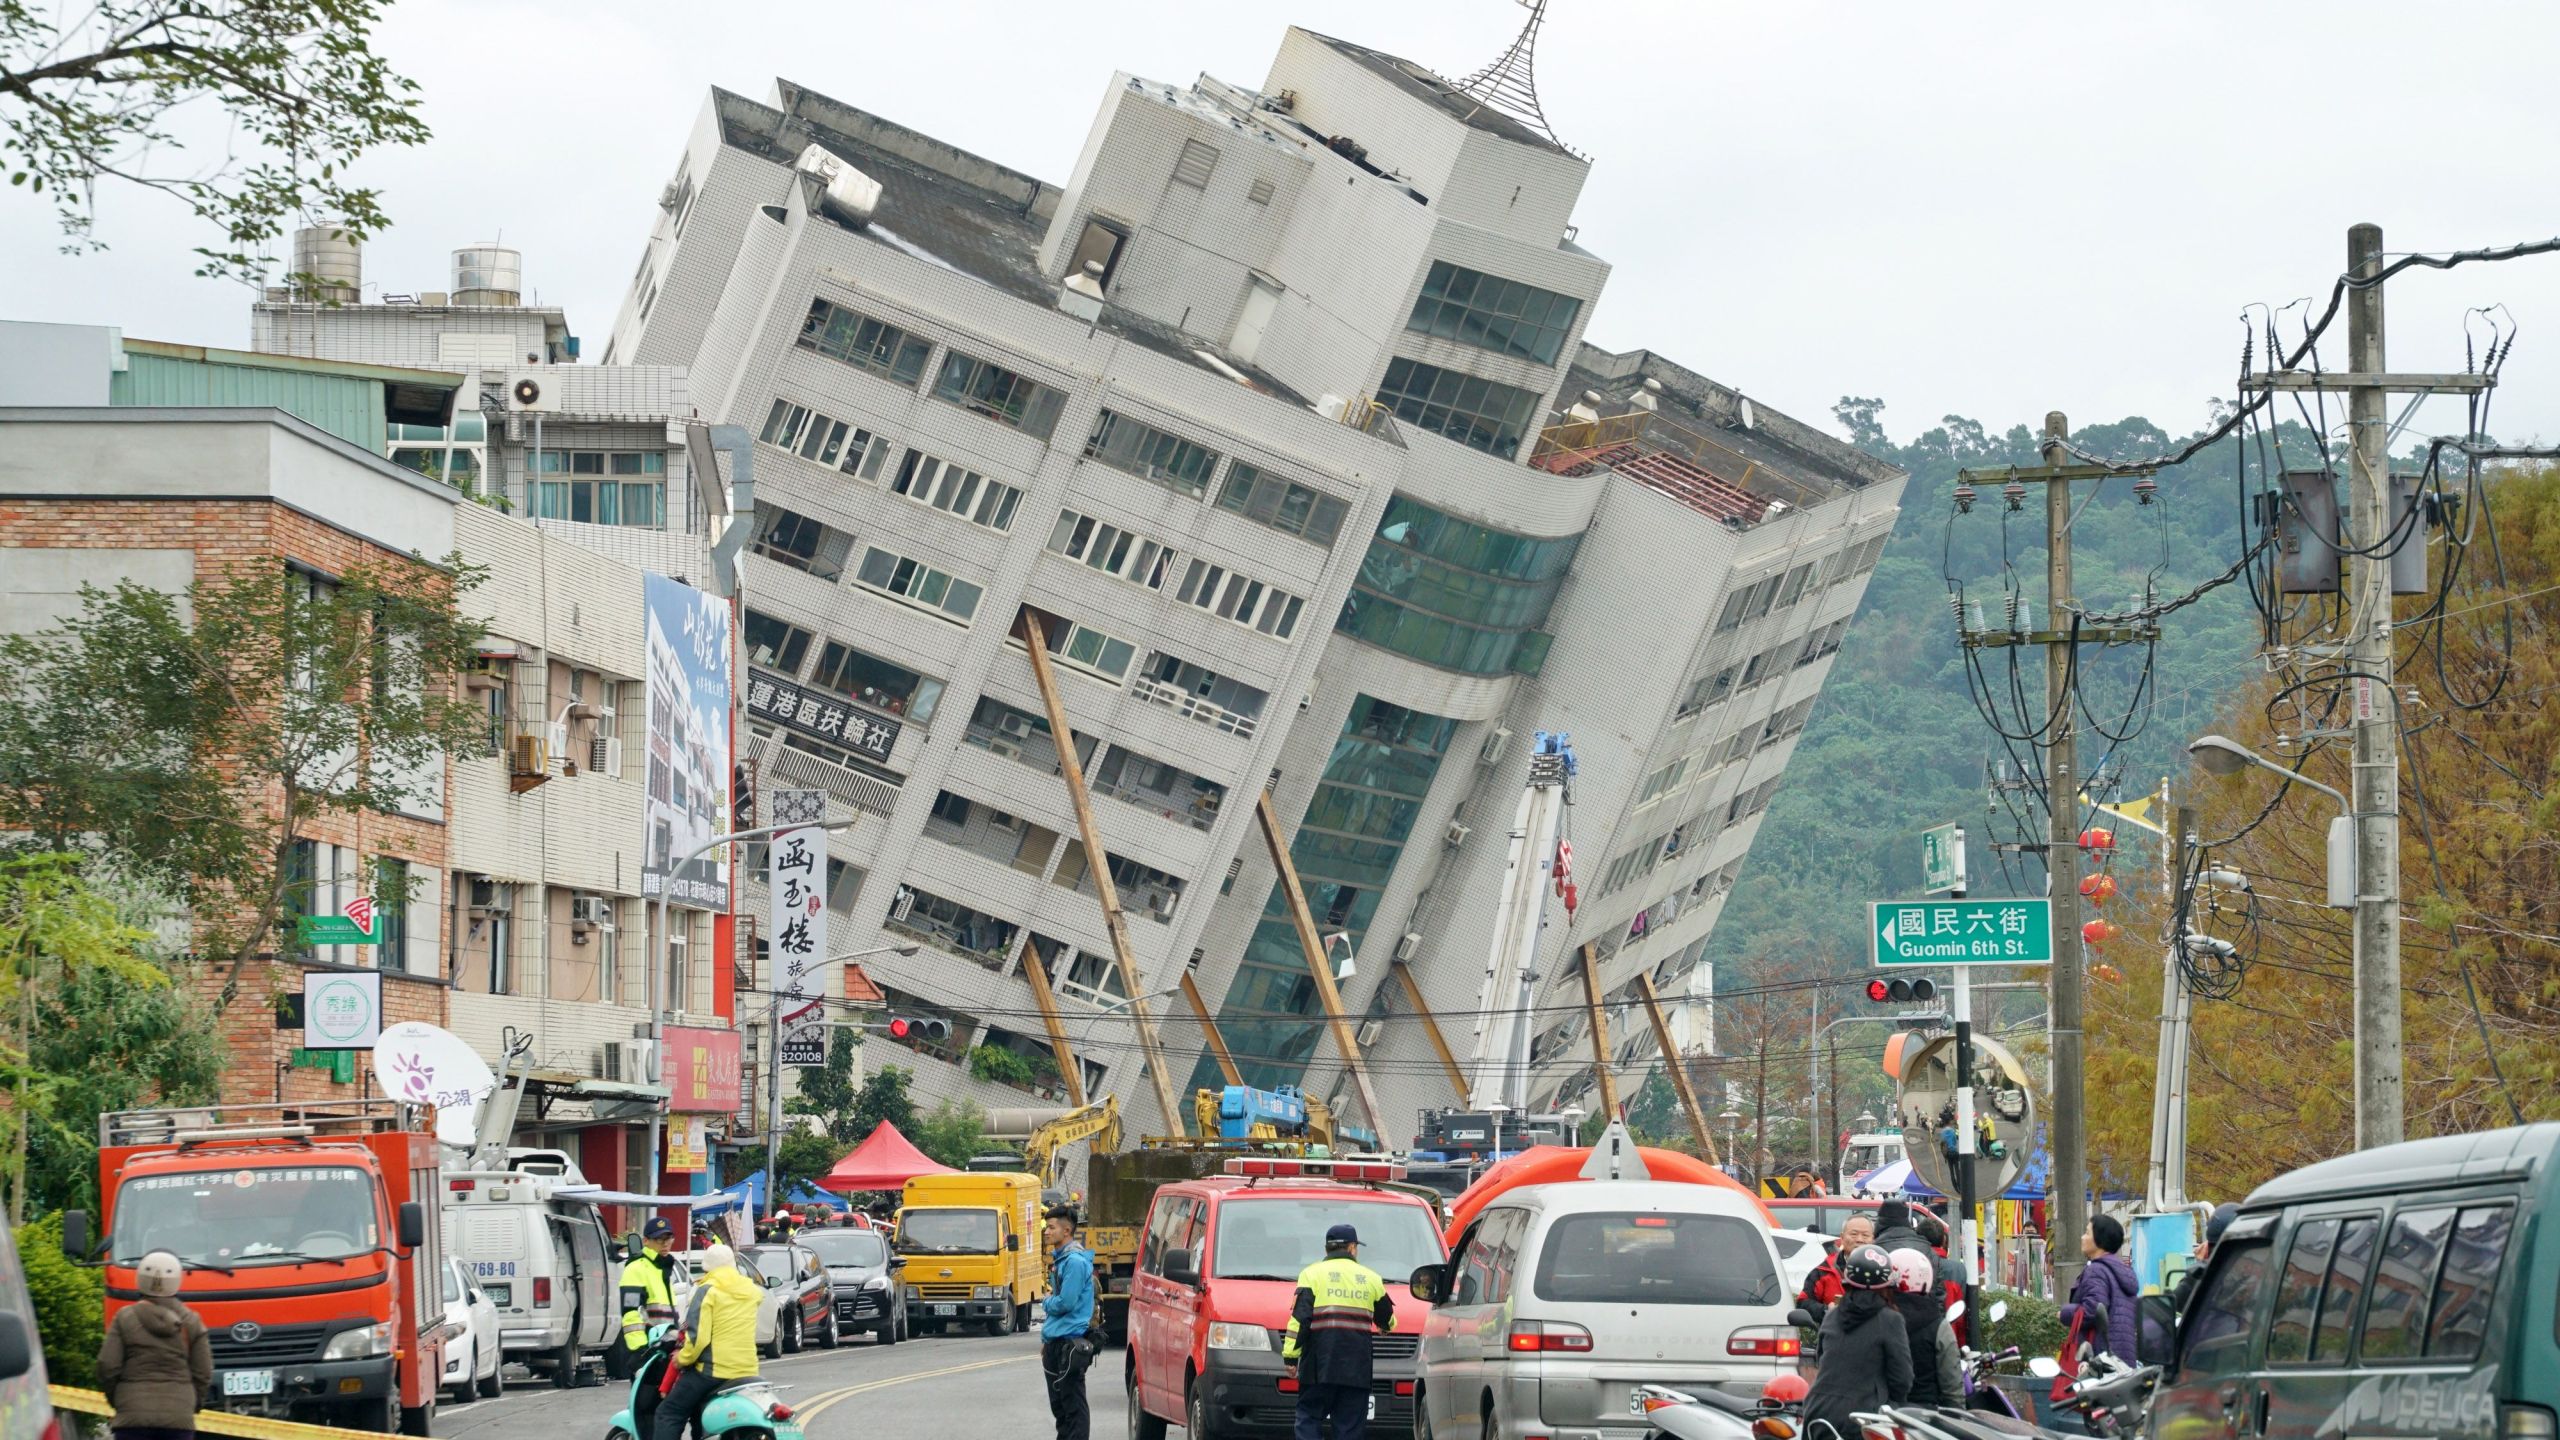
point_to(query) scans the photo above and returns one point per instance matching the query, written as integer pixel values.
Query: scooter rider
(720, 1342)
(645, 1272)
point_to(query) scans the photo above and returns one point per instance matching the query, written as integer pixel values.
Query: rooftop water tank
(849, 195)
(327, 266)
(488, 275)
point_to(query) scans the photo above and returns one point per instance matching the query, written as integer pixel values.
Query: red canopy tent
(885, 1161)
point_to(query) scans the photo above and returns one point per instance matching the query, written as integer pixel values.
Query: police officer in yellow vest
(645, 1272)
(1341, 1305)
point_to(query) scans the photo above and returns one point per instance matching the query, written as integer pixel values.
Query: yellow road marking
(819, 1405)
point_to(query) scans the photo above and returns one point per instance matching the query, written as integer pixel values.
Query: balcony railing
(969, 942)
(1199, 812)
(807, 771)
(1192, 707)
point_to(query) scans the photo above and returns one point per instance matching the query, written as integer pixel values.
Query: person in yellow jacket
(719, 1347)
(1340, 1307)
(646, 1273)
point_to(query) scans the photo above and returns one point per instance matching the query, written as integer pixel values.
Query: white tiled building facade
(1277, 507)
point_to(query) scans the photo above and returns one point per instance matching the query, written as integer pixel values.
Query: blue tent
(750, 1193)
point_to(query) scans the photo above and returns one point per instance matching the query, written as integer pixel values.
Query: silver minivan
(541, 1257)
(1561, 1301)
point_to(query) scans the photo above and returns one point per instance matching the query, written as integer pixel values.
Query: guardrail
(73, 1400)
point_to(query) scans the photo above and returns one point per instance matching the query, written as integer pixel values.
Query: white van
(541, 1257)
(26, 1404)
(1561, 1301)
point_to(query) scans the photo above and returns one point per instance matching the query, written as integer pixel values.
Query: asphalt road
(940, 1387)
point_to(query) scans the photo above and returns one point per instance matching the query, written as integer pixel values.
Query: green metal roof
(355, 402)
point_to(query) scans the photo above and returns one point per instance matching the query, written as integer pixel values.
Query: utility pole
(2062, 871)
(2376, 784)
(2168, 1188)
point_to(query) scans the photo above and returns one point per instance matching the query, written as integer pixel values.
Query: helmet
(1866, 1268)
(1912, 1271)
(160, 1273)
(1786, 1389)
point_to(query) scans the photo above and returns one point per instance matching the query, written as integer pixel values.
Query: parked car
(1561, 1302)
(26, 1402)
(1800, 1253)
(768, 1310)
(2406, 1287)
(1217, 1268)
(1825, 1212)
(808, 1305)
(862, 1274)
(474, 1360)
(540, 1255)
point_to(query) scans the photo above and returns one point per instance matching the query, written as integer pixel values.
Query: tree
(57, 937)
(884, 1101)
(2269, 1087)
(954, 1132)
(190, 739)
(89, 93)
(106, 1043)
(830, 1092)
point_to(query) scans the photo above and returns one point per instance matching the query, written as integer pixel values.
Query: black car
(862, 1278)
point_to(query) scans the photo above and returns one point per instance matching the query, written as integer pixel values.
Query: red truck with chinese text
(311, 1249)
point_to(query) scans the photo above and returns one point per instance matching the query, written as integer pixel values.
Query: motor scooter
(750, 1410)
(1713, 1415)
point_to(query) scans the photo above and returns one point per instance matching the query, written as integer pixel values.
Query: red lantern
(2099, 888)
(2106, 972)
(2098, 838)
(2098, 932)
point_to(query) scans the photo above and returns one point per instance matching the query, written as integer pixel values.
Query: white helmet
(160, 1273)
(719, 1257)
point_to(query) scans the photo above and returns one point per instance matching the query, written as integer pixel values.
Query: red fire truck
(312, 1250)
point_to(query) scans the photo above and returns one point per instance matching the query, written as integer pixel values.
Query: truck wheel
(1195, 1413)
(420, 1421)
(381, 1417)
(1002, 1324)
(564, 1361)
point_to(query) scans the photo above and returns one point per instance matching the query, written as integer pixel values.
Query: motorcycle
(751, 1410)
(2113, 1397)
(1714, 1415)
(1980, 1394)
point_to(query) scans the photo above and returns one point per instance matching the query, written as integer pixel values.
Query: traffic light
(929, 1029)
(1916, 989)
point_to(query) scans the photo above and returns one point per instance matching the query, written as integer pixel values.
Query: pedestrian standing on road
(1866, 1352)
(1066, 1331)
(155, 1363)
(2106, 1281)
(1340, 1309)
(647, 1300)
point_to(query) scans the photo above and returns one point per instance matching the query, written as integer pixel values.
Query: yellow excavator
(1045, 1133)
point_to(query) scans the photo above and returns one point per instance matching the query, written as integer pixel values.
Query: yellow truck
(971, 1243)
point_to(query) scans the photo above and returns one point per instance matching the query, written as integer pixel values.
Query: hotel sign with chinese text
(1961, 932)
(820, 714)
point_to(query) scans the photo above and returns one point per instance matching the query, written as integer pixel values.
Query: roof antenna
(1510, 83)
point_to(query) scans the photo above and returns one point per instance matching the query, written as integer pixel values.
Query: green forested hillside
(1896, 744)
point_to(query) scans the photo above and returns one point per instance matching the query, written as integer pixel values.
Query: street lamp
(663, 949)
(2222, 755)
(773, 1065)
(1732, 1121)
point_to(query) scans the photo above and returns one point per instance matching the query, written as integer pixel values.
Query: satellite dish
(425, 1065)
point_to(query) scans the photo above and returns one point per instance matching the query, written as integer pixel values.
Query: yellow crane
(1046, 1133)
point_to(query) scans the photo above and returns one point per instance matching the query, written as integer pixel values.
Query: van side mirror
(75, 1235)
(413, 1225)
(1013, 1242)
(1429, 1283)
(17, 1350)
(1181, 1269)
(1999, 1311)
(1802, 1319)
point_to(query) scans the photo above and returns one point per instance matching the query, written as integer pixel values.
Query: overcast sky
(1988, 210)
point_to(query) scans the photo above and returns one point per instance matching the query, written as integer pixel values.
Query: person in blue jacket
(1066, 1329)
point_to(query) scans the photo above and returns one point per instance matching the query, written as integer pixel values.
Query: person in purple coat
(2108, 1280)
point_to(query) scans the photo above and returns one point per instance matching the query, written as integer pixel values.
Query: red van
(1218, 1267)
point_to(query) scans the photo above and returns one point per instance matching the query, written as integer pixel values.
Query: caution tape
(208, 1422)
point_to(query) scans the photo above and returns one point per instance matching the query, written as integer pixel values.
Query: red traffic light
(898, 1028)
(1879, 991)
(1902, 991)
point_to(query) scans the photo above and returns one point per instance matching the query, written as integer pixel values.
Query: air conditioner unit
(1497, 743)
(527, 756)
(555, 740)
(484, 897)
(535, 391)
(1015, 724)
(1370, 1030)
(667, 197)
(903, 905)
(591, 911)
(1408, 945)
(1163, 905)
(604, 755)
(1456, 835)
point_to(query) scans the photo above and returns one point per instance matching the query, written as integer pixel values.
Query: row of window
(897, 355)
(1491, 313)
(949, 487)
(1786, 724)
(826, 441)
(1204, 584)
(1712, 690)
(1752, 801)
(1478, 413)
(2351, 1289)
(883, 685)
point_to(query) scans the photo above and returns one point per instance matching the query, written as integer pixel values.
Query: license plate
(248, 1382)
(946, 1309)
(500, 1294)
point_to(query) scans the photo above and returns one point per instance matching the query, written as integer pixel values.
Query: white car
(472, 1356)
(768, 1305)
(1800, 1253)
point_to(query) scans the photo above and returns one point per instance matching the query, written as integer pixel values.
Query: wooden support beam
(1431, 1027)
(1679, 1068)
(1068, 1069)
(1599, 1031)
(1209, 1027)
(1344, 1042)
(1097, 863)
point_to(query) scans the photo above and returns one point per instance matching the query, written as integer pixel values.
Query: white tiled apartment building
(1312, 498)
